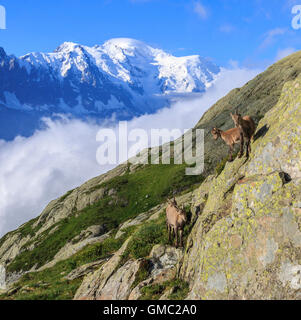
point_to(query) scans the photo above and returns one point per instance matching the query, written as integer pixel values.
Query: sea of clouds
(38, 169)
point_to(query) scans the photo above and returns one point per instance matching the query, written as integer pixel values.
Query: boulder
(93, 284)
(119, 285)
(164, 257)
(163, 261)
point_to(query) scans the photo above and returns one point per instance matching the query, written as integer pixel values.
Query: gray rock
(85, 269)
(91, 232)
(164, 257)
(93, 284)
(2, 277)
(119, 285)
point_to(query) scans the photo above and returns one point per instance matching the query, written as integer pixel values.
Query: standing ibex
(247, 129)
(175, 221)
(231, 137)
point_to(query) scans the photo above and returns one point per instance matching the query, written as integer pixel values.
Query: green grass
(147, 236)
(150, 234)
(66, 195)
(25, 230)
(141, 191)
(143, 273)
(221, 165)
(50, 284)
(155, 291)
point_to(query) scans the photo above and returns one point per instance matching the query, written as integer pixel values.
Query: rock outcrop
(246, 243)
(2, 278)
(57, 210)
(139, 220)
(93, 284)
(163, 261)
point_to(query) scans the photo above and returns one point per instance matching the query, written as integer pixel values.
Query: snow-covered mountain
(123, 76)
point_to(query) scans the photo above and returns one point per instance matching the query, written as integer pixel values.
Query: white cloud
(284, 53)
(38, 169)
(271, 35)
(200, 10)
(290, 3)
(227, 28)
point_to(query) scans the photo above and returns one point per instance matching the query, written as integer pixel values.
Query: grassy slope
(141, 191)
(50, 284)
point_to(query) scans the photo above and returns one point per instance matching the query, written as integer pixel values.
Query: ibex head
(172, 202)
(216, 133)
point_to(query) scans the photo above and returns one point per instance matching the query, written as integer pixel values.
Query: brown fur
(247, 129)
(175, 221)
(231, 137)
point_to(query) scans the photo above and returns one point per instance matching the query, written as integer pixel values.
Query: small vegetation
(221, 165)
(147, 236)
(142, 273)
(27, 228)
(150, 234)
(66, 195)
(50, 284)
(135, 193)
(179, 290)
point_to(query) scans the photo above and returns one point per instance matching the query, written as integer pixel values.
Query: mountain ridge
(123, 77)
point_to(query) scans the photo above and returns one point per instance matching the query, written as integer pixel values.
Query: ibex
(175, 221)
(247, 129)
(231, 137)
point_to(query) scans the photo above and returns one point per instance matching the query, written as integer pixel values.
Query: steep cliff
(246, 243)
(107, 239)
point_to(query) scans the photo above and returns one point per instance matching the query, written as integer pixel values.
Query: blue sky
(250, 32)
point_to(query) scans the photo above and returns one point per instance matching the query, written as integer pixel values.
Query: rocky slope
(107, 239)
(246, 243)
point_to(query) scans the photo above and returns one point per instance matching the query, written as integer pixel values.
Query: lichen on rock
(246, 244)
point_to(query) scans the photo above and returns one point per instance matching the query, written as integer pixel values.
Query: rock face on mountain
(56, 211)
(107, 239)
(2, 278)
(246, 243)
(124, 77)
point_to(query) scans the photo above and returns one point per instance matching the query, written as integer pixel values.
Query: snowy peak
(67, 47)
(129, 60)
(123, 76)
